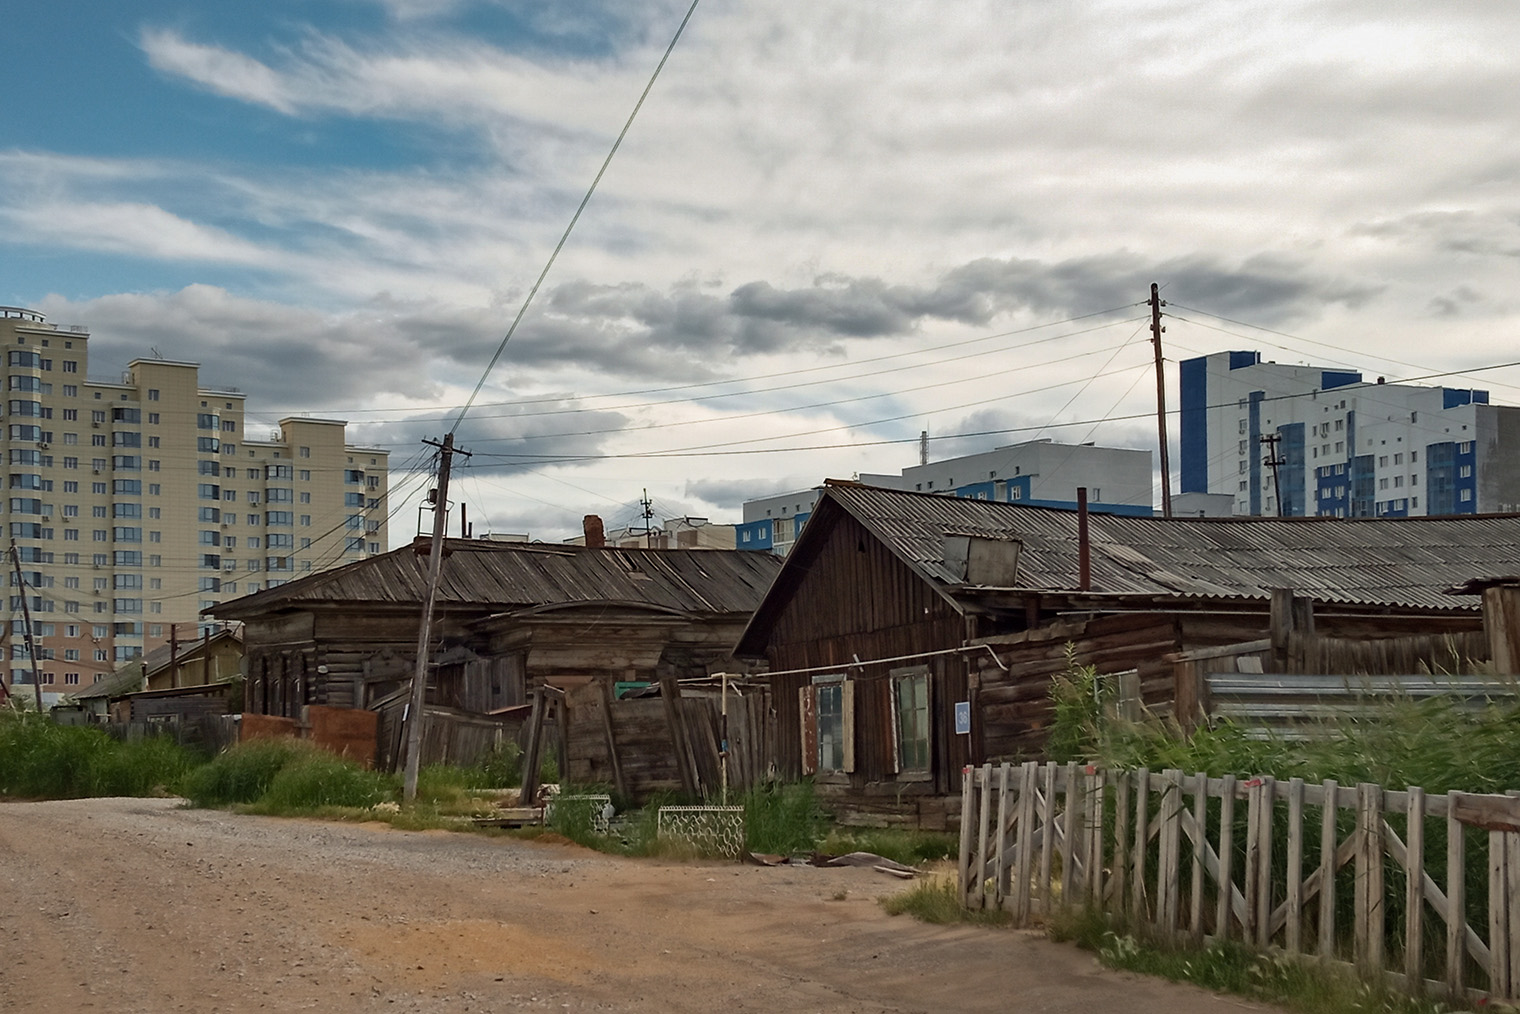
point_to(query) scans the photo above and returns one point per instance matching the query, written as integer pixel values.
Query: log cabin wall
(1012, 710)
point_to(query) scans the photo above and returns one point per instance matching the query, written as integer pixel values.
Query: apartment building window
(280, 495)
(305, 520)
(306, 497)
(253, 496)
(127, 463)
(100, 535)
(254, 542)
(152, 418)
(70, 391)
(127, 534)
(229, 425)
(97, 440)
(305, 475)
(208, 491)
(353, 545)
(209, 538)
(155, 560)
(305, 452)
(279, 518)
(229, 494)
(152, 394)
(208, 445)
(70, 462)
(230, 448)
(152, 464)
(253, 520)
(98, 488)
(212, 515)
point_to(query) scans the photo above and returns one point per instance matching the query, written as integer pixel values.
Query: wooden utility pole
(1156, 303)
(1272, 461)
(416, 703)
(26, 616)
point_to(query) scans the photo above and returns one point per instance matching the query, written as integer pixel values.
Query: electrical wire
(511, 330)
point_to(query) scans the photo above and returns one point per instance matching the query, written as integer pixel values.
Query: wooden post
(1293, 935)
(1414, 893)
(1169, 854)
(1071, 827)
(964, 863)
(1498, 924)
(984, 775)
(1142, 845)
(1120, 878)
(1501, 623)
(1511, 906)
(1000, 865)
(530, 759)
(1095, 796)
(1047, 836)
(1226, 857)
(1281, 620)
(1268, 790)
(1456, 903)
(612, 747)
(1200, 849)
(1252, 872)
(1024, 856)
(1368, 931)
(1329, 844)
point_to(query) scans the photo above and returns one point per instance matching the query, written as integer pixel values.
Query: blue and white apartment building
(1345, 447)
(1040, 473)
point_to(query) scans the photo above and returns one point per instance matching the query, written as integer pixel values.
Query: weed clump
(40, 759)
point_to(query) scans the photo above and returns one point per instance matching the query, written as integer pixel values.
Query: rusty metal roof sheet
(1364, 561)
(500, 576)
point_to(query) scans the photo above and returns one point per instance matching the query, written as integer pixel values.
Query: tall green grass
(42, 760)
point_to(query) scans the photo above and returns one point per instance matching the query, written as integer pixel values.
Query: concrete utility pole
(26, 615)
(1156, 303)
(416, 703)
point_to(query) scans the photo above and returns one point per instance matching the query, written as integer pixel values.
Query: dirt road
(169, 909)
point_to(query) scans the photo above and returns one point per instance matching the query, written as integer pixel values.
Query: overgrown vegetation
(42, 760)
(936, 900)
(1233, 968)
(1434, 744)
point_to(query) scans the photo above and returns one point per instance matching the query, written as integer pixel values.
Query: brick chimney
(591, 524)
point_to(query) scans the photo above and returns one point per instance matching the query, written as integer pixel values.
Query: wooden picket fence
(1302, 869)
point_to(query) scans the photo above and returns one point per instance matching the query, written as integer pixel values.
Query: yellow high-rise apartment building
(135, 504)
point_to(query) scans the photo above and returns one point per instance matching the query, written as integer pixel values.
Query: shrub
(319, 780)
(241, 774)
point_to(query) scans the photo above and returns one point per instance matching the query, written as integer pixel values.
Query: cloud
(730, 494)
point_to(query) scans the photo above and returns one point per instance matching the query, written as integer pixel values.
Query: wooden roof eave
(827, 513)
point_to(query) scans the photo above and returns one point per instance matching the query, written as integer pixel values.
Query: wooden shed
(510, 617)
(910, 634)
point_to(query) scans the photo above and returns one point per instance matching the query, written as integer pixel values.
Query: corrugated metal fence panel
(1296, 706)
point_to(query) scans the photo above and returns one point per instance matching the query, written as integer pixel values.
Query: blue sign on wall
(963, 717)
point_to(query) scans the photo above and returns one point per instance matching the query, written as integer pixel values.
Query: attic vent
(983, 558)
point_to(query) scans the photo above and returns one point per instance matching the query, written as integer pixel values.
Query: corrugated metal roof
(1372, 561)
(501, 576)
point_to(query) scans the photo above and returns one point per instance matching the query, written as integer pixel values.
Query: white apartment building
(136, 502)
(1342, 447)
(1040, 473)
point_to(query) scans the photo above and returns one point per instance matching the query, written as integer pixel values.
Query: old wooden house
(511, 617)
(911, 634)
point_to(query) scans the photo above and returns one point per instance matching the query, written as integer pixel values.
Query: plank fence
(1396, 885)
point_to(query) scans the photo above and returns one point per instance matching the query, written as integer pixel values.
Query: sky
(831, 225)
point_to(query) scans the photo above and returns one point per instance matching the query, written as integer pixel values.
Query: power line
(720, 450)
(574, 218)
